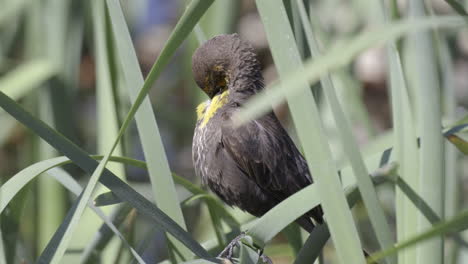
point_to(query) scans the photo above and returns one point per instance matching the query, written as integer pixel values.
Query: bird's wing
(264, 151)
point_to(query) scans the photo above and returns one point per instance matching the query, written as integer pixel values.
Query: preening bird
(254, 166)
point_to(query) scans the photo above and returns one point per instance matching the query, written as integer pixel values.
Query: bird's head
(226, 62)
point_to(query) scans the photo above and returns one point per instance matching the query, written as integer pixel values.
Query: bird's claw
(265, 258)
(228, 251)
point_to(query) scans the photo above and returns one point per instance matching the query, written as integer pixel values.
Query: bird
(254, 166)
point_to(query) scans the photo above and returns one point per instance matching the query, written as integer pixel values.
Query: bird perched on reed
(254, 166)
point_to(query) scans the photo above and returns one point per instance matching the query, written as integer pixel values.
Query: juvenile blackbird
(254, 166)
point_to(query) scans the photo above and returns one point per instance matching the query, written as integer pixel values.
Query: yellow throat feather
(207, 109)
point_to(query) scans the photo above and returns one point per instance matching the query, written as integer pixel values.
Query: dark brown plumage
(255, 166)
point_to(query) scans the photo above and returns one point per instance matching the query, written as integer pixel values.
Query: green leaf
(111, 181)
(8, 124)
(459, 126)
(280, 216)
(293, 234)
(22, 178)
(107, 198)
(194, 198)
(56, 247)
(94, 250)
(158, 167)
(2, 250)
(423, 77)
(10, 188)
(464, 120)
(335, 58)
(313, 245)
(248, 255)
(349, 144)
(449, 102)
(10, 10)
(275, 220)
(18, 181)
(221, 18)
(29, 75)
(459, 142)
(107, 118)
(404, 140)
(455, 224)
(202, 261)
(309, 128)
(66, 180)
(457, 7)
(451, 135)
(423, 206)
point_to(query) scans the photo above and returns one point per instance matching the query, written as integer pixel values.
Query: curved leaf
(337, 57)
(309, 127)
(88, 164)
(26, 77)
(456, 224)
(350, 146)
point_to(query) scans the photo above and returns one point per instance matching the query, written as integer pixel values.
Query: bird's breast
(205, 140)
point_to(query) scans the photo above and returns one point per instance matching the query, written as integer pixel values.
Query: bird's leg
(265, 258)
(228, 251)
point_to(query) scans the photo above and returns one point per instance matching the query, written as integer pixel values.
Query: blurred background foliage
(49, 64)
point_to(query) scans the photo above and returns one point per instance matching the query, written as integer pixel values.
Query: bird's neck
(246, 77)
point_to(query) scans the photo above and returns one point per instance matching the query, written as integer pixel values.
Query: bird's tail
(306, 223)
